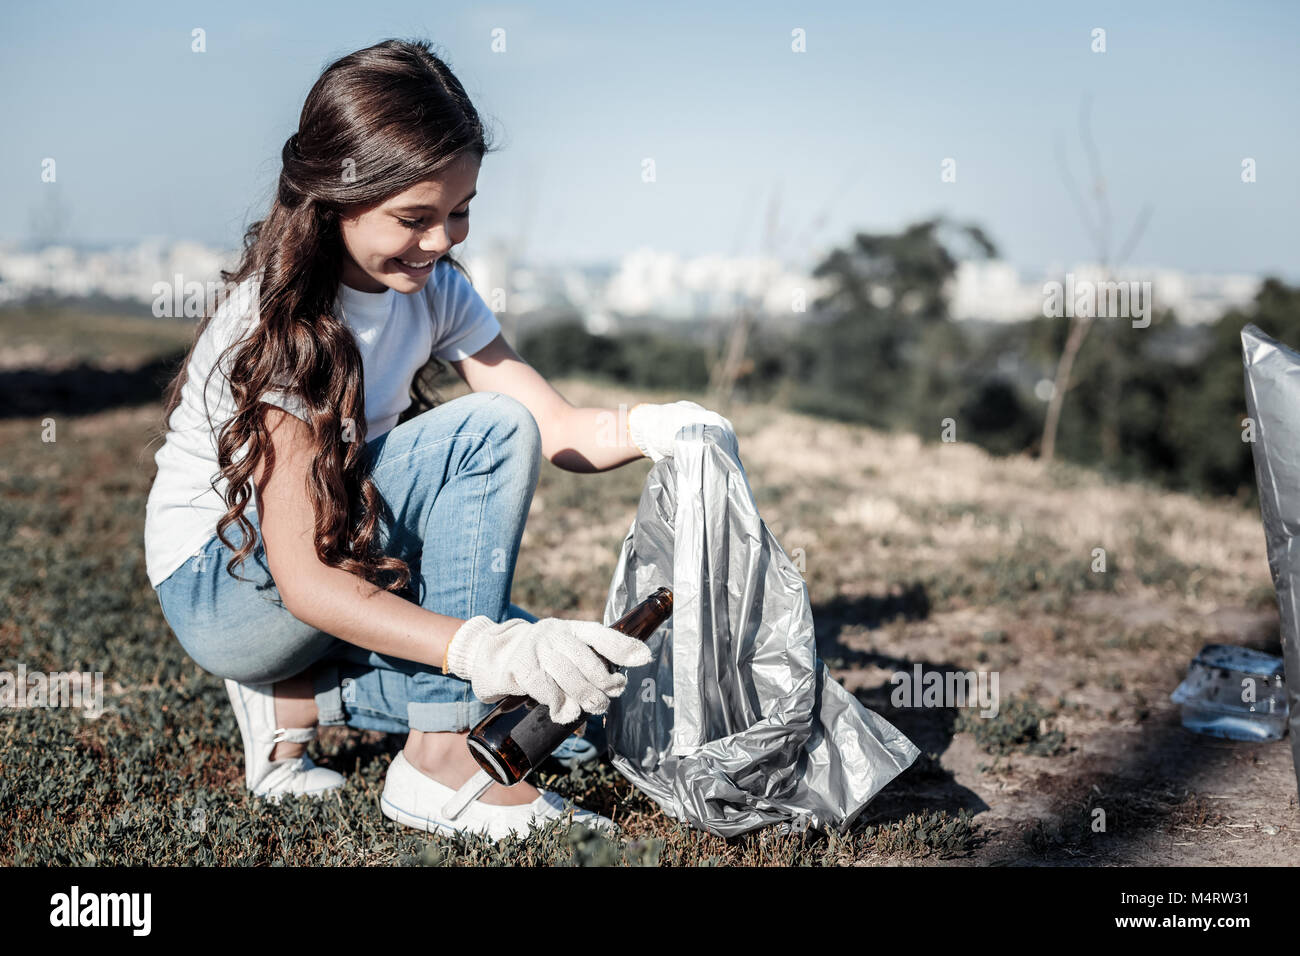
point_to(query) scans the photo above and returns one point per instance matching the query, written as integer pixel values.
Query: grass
(157, 779)
(1020, 726)
(913, 552)
(62, 333)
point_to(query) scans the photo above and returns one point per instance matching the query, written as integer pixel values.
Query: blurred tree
(1210, 404)
(634, 358)
(886, 291)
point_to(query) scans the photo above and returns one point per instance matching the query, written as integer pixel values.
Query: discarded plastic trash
(1234, 692)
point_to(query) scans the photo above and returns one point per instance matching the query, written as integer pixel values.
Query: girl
(382, 554)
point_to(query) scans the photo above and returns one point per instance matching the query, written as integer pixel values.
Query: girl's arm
(330, 599)
(583, 440)
(588, 440)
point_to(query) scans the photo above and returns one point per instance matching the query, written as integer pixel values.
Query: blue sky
(152, 139)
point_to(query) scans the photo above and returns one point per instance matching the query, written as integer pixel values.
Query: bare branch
(1098, 181)
(1073, 189)
(1135, 234)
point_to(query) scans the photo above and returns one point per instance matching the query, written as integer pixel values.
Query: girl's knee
(517, 421)
(512, 431)
(481, 430)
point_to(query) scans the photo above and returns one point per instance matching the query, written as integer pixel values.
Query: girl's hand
(552, 661)
(654, 427)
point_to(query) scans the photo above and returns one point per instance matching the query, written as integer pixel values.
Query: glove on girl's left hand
(654, 427)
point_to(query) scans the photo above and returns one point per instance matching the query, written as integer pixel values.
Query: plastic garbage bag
(1273, 404)
(735, 723)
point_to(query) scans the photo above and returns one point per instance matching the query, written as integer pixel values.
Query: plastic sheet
(1273, 404)
(735, 723)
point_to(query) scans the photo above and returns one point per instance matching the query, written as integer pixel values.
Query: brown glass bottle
(519, 734)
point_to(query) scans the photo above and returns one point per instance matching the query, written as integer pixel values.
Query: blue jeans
(457, 481)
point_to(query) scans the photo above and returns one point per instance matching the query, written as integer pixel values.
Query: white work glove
(553, 661)
(653, 428)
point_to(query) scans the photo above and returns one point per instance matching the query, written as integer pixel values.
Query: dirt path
(1169, 796)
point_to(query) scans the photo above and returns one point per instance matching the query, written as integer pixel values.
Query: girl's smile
(411, 269)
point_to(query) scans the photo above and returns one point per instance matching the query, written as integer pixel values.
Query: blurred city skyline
(643, 282)
(151, 139)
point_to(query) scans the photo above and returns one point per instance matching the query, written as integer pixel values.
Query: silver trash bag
(1273, 404)
(735, 723)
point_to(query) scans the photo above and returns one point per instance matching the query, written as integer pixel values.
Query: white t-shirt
(395, 333)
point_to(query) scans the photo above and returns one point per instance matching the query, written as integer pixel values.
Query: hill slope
(933, 555)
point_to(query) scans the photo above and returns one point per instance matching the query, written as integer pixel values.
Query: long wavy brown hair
(375, 123)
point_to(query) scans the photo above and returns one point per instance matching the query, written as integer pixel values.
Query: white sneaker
(417, 800)
(271, 779)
